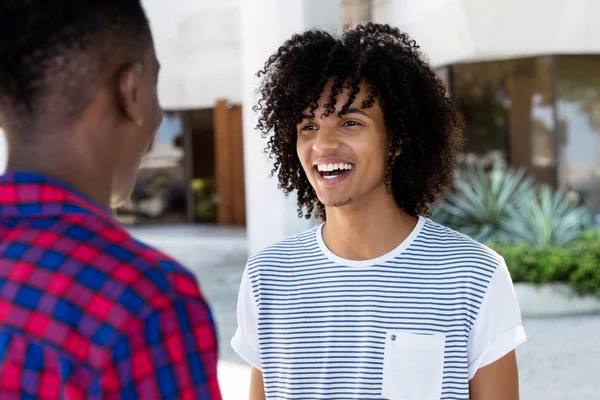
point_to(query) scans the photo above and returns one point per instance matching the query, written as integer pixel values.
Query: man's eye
(309, 128)
(351, 123)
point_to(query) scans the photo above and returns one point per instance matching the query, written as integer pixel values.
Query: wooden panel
(229, 164)
(222, 163)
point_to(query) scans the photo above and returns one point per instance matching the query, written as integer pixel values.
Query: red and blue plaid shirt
(87, 312)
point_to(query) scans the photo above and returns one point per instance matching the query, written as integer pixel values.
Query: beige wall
(451, 31)
(198, 45)
(356, 11)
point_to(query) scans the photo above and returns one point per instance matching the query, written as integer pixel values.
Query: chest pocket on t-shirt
(413, 366)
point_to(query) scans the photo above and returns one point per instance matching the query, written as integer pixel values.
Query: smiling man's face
(345, 158)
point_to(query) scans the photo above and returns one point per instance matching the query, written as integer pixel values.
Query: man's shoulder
(289, 247)
(441, 239)
(180, 279)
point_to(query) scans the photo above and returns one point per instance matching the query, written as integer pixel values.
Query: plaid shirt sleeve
(173, 355)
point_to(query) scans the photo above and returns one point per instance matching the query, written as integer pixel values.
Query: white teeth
(333, 167)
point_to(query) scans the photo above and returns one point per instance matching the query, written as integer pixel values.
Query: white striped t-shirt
(414, 324)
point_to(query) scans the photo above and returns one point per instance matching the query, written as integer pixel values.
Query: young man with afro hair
(377, 301)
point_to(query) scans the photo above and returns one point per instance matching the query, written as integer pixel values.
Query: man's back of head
(53, 53)
(78, 77)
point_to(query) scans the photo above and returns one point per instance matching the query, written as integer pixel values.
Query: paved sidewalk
(560, 361)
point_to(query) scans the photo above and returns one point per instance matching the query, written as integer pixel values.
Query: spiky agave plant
(547, 218)
(480, 203)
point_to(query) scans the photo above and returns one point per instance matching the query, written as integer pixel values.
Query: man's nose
(327, 140)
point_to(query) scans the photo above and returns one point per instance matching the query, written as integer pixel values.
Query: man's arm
(497, 381)
(257, 386)
(245, 340)
(494, 336)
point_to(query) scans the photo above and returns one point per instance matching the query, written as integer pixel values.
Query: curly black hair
(54, 52)
(423, 122)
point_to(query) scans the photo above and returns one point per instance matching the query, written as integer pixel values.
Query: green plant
(505, 206)
(205, 200)
(586, 249)
(585, 238)
(546, 218)
(479, 204)
(577, 264)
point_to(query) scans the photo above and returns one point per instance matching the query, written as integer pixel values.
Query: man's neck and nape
(82, 155)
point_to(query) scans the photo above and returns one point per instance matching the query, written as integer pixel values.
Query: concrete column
(265, 25)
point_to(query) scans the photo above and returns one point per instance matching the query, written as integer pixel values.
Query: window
(578, 110)
(508, 112)
(160, 190)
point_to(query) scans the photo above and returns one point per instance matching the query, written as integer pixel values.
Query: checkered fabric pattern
(87, 312)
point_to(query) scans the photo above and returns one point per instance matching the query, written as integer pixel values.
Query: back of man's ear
(129, 83)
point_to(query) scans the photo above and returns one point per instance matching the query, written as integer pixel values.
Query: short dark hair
(54, 52)
(422, 120)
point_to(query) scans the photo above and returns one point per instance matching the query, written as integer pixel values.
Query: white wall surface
(452, 31)
(198, 45)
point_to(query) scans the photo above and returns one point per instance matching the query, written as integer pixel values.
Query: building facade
(526, 78)
(524, 74)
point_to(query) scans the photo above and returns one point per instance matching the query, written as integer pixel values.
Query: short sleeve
(498, 329)
(245, 340)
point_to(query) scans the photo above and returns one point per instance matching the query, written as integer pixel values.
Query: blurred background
(524, 74)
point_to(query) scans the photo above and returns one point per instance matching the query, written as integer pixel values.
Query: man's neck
(368, 228)
(70, 164)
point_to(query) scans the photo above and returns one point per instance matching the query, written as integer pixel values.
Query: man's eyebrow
(353, 110)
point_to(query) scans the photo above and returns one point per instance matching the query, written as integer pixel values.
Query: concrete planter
(553, 299)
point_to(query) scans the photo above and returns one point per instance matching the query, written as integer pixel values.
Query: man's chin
(338, 203)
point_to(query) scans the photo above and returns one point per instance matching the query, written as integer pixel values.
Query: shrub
(205, 200)
(577, 263)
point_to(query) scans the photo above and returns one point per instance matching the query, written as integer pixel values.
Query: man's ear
(398, 150)
(129, 83)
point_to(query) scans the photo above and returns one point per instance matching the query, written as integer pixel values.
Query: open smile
(331, 174)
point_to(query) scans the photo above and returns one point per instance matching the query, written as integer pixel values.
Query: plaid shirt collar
(25, 194)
